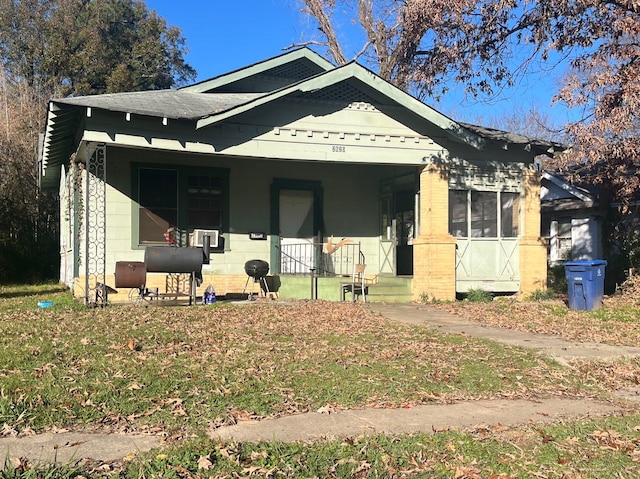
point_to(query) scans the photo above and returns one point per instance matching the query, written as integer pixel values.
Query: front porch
(382, 288)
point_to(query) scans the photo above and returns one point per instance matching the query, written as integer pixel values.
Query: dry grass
(616, 323)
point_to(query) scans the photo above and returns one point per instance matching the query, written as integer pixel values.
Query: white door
(296, 231)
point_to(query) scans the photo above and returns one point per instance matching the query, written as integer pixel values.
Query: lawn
(178, 371)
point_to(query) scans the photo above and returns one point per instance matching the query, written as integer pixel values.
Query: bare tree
(486, 45)
(426, 45)
(423, 45)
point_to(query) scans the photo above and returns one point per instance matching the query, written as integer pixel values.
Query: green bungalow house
(307, 166)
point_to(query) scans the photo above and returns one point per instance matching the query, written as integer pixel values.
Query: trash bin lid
(593, 262)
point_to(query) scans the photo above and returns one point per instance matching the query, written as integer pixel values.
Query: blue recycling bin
(585, 282)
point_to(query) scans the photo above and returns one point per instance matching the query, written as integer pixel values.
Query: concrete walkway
(419, 419)
(429, 418)
(74, 447)
(559, 349)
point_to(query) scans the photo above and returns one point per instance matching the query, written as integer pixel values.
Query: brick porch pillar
(434, 251)
(533, 252)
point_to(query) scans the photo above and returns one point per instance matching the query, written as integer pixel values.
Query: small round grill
(256, 268)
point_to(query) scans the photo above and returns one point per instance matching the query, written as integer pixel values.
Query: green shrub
(541, 295)
(424, 297)
(556, 279)
(479, 296)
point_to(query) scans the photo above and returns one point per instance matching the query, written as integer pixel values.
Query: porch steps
(388, 289)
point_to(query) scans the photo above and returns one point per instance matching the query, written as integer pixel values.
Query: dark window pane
(404, 227)
(158, 188)
(564, 227)
(484, 214)
(158, 199)
(153, 224)
(510, 218)
(204, 204)
(458, 213)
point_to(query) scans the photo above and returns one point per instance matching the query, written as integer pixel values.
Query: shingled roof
(172, 104)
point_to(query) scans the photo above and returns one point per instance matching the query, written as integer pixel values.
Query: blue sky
(224, 35)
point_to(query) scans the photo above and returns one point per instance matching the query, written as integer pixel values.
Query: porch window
(484, 214)
(186, 198)
(458, 213)
(204, 197)
(510, 217)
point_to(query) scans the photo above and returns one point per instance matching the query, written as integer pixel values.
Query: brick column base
(434, 268)
(533, 266)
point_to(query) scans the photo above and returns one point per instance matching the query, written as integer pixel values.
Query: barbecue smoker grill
(257, 270)
(164, 259)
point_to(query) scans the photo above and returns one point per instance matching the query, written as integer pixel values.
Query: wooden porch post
(533, 252)
(434, 250)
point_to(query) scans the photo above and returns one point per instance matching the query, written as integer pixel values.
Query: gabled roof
(299, 74)
(574, 191)
(267, 75)
(371, 87)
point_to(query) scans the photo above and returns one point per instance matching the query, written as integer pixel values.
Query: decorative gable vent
(196, 238)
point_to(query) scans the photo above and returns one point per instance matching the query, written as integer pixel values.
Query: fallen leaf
(204, 463)
(328, 409)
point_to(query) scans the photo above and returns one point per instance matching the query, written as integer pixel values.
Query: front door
(404, 210)
(296, 212)
(398, 206)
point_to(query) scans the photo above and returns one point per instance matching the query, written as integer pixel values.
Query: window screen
(458, 213)
(510, 214)
(484, 214)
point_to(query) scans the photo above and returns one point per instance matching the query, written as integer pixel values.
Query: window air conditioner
(195, 238)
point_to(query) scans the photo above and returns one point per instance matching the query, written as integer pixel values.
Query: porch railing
(305, 258)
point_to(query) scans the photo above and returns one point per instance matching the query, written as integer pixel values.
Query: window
(204, 197)
(564, 239)
(158, 203)
(185, 198)
(510, 215)
(458, 213)
(484, 214)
